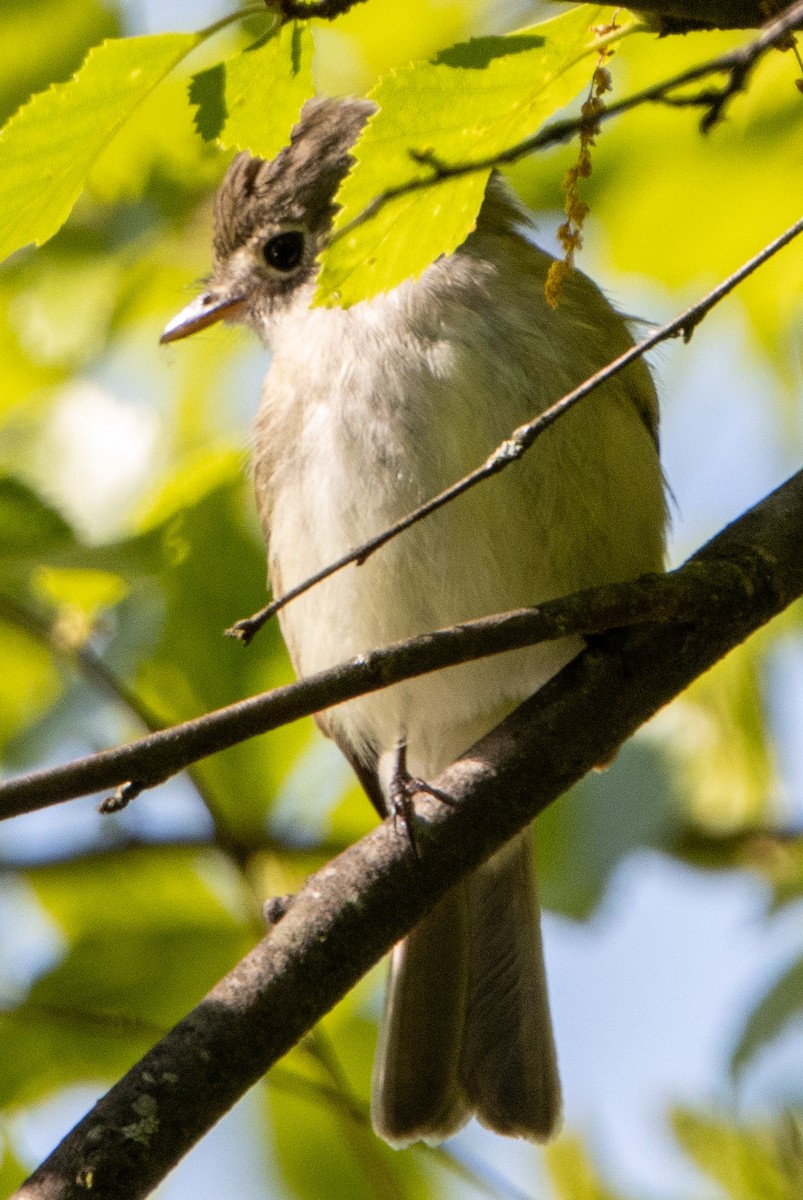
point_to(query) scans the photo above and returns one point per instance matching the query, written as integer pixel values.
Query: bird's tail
(466, 1029)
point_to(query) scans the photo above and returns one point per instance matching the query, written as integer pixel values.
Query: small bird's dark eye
(284, 251)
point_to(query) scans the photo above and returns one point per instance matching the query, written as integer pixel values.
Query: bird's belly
(490, 551)
(350, 444)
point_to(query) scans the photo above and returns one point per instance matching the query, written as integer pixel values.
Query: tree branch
(349, 914)
(682, 16)
(678, 596)
(526, 435)
(87, 662)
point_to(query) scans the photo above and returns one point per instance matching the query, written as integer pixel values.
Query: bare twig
(349, 914)
(523, 438)
(84, 659)
(152, 759)
(81, 655)
(679, 598)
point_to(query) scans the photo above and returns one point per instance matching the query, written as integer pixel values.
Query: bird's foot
(404, 788)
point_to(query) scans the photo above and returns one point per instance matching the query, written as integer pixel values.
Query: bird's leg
(404, 788)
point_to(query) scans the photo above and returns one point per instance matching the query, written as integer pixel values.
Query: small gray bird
(365, 413)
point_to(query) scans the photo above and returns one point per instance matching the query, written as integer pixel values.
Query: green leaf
(28, 524)
(723, 748)
(125, 916)
(192, 667)
(746, 1163)
(339, 1155)
(474, 101)
(159, 143)
(782, 1004)
(29, 682)
(51, 143)
(146, 933)
(84, 589)
(572, 1172)
(49, 37)
(251, 101)
(12, 1172)
(600, 821)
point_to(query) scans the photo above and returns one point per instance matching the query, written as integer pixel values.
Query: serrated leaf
(159, 141)
(782, 1005)
(50, 144)
(50, 39)
(251, 101)
(473, 102)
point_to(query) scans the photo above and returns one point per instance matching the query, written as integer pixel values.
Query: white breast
(368, 412)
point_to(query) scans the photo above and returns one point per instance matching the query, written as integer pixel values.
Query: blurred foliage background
(128, 542)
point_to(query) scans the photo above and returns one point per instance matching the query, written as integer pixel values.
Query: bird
(367, 411)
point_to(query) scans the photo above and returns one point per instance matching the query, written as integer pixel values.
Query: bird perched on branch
(366, 412)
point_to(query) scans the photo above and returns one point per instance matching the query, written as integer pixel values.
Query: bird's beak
(202, 311)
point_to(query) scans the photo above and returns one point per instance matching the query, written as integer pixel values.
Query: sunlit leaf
(61, 318)
(44, 1049)
(147, 933)
(643, 162)
(49, 146)
(251, 101)
(49, 39)
(159, 140)
(12, 1172)
(717, 731)
(339, 1155)
(746, 1163)
(85, 589)
(29, 682)
(473, 101)
(217, 576)
(572, 1172)
(124, 917)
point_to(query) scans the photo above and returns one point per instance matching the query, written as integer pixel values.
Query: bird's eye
(285, 250)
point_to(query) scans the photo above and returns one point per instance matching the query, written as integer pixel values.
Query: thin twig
(674, 597)
(523, 438)
(91, 666)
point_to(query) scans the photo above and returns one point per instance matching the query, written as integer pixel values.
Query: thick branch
(680, 16)
(348, 915)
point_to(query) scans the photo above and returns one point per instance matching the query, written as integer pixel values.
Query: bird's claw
(404, 788)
